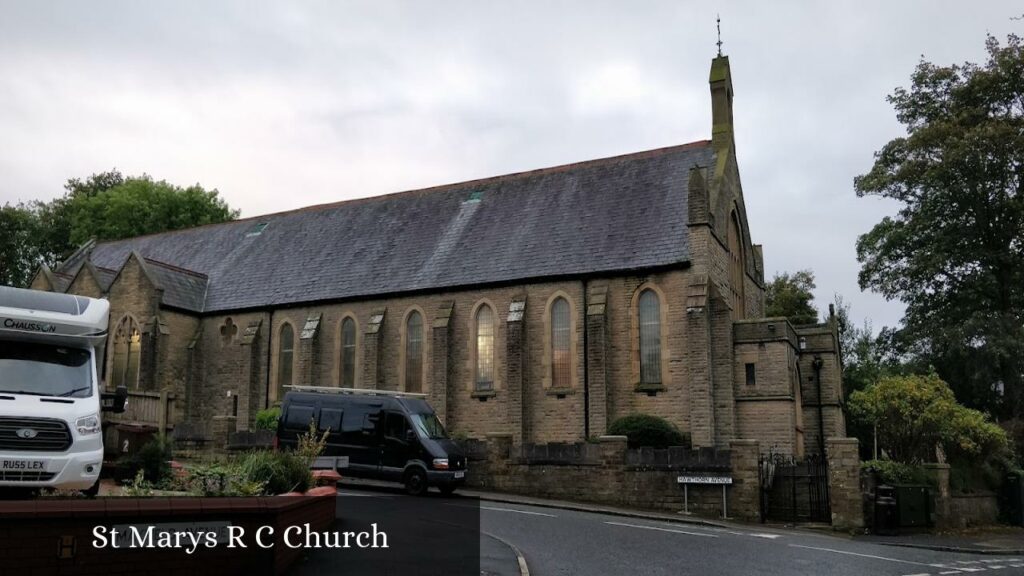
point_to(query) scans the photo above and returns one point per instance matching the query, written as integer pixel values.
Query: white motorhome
(50, 393)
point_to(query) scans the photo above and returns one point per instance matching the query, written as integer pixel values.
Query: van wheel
(416, 482)
(92, 491)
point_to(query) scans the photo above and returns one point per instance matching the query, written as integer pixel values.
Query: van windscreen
(428, 425)
(45, 370)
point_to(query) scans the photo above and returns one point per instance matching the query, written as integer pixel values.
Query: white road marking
(769, 536)
(920, 574)
(517, 511)
(868, 556)
(994, 567)
(950, 572)
(662, 529)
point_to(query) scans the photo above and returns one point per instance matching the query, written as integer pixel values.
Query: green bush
(890, 472)
(222, 480)
(267, 419)
(278, 471)
(152, 460)
(648, 431)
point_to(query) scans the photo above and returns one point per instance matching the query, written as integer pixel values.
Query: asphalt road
(562, 542)
(557, 542)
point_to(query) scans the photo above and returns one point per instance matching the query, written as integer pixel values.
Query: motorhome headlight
(440, 463)
(88, 424)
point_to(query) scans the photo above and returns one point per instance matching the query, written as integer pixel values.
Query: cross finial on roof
(718, 24)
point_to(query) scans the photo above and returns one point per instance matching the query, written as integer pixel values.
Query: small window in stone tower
(751, 374)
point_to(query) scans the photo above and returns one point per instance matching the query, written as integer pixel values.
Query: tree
(143, 206)
(19, 252)
(913, 415)
(954, 252)
(105, 206)
(790, 295)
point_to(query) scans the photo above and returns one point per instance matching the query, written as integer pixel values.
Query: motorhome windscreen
(429, 425)
(44, 370)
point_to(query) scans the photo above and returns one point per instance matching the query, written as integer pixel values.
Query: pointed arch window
(348, 353)
(414, 352)
(736, 273)
(561, 344)
(285, 358)
(485, 348)
(127, 354)
(649, 314)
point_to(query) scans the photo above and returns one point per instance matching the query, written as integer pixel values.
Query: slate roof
(613, 214)
(105, 277)
(182, 288)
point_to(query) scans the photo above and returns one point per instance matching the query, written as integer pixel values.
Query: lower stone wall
(609, 473)
(967, 510)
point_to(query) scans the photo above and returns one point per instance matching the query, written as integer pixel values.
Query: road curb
(958, 549)
(609, 511)
(524, 570)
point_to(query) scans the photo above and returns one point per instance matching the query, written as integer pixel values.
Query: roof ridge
(431, 189)
(174, 268)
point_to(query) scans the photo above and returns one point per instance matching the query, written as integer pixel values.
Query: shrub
(267, 419)
(152, 461)
(222, 480)
(890, 472)
(915, 414)
(649, 431)
(278, 472)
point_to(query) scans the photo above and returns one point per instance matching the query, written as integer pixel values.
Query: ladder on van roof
(363, 391)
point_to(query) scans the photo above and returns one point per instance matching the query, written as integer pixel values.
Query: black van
(376, 434)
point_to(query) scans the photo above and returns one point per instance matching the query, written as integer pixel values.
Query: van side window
(395, 426)
(298, 417)
(330, 418)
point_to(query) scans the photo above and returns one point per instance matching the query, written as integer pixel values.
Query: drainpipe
(586, 367)
(817, 364)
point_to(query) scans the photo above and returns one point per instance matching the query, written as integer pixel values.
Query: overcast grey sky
(281, 105)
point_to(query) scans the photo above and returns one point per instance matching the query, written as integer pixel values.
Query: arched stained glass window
(285, 358)
(127, 354)
(485, 348)
(414, 352)
(650, 337)
(561, 344)
(348, 353)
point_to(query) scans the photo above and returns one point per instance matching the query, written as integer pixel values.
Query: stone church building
(542, 304)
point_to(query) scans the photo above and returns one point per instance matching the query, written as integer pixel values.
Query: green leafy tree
(104, 206)
(913, 415)
(19, 245)
(954, 252)
(790, 295)
(143, 206)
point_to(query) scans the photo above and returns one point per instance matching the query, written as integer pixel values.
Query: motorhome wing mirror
(115, 401)
(410, 436)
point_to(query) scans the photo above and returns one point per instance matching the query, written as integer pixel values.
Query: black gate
(794, 490)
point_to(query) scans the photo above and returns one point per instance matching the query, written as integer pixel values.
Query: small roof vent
(256, 230)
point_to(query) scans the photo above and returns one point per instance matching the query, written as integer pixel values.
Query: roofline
(616, 273)
(453, 185)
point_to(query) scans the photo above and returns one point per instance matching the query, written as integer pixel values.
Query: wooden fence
(154, 409)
